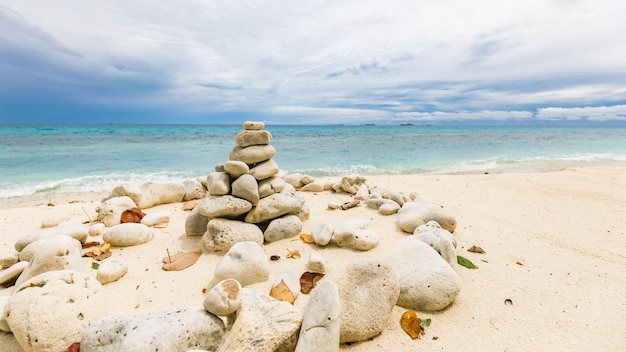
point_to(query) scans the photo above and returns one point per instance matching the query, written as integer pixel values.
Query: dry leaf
(308, 280)
(282, 293)
(102, 256)
(411, 324)
(99, 253)
(295, 254)
(476, 249)
(75, 347)
(189, 205)
(307, 238)
(132, 215)
(181, 260)
(519, 263)
(91, 244)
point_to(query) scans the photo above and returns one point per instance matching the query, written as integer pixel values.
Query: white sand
(555, 246)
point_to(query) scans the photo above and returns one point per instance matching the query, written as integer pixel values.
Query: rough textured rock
(427, 281)
(352, 183)
(295, 180)
(125, 190)
(368, 290)
(110, 211)
(224, 298)
(439, 239)
(270, 186)
(355, 234)
(236, 168)
(247, 188)
(50, 311)
(196, 223)
(414, 214)
(153, 193)
(253, 125)
(264, 170)
(218, 183)
(274, 206)
(222, 234)
(54, 253)
(194, 189)
(384, 206)
(72, 228)
(323, 233)
(245, 262)
(321, 325)
(174, 329)
(111, 270)
(253, 154)
(283, 227)
(223, 207)
(247, 138)
(128, 234)
(263, 324)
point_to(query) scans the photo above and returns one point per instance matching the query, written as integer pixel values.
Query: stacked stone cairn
(247, 198)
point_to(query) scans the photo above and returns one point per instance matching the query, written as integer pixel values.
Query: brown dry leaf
(100, 252)
(295, 254)
(102, 256)
(91, 244)
(282, 293)
(189, 205)
(476, 249)
(411, 324)
(132, 215)
(181, 260)
(519, 263)
(307, 238)
(308, 280)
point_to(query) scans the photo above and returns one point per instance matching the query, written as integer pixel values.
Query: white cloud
(465, 115)
(589, 113)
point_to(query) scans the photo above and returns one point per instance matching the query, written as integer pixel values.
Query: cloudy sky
(385, 62)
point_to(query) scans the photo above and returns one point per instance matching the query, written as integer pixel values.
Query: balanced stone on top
(253, 125)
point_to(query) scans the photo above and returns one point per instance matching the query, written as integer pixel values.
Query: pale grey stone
(283, 227)
(368, 291)
(8, 259)
(253, 154)
(50, 311)
(263, 324)
(264, 170)
(294, 179)
(246, 187)
(362, 193)
(313, 187)
(236, 168)
(223, 206)
(323, 233)
(306, 179)
(52, 222)
(11, 273)
(247, 138)
(221, 234)
(245, 262)
(355, 234)
(156, 218)
(321, 325)
(55, 253)
(351, 183)
(253, 125)
(153, 193)
(270, 186)
(218, 183)
(414, 214)
(196, 223)
(194, 189)
(4, 326)
(274, 206)
(97, 229)
(73, 228)
(439, 239)
(288, 189)
(316, 263)
(224, 298)
(384, 206)
(173, 329)
(428, 282)
(127, 234)
(125, 190)
(111, 270)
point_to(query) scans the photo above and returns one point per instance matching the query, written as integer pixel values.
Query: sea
(36, 159)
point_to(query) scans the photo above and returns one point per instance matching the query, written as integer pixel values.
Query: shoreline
(552, 239)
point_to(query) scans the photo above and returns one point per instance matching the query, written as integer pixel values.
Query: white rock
(97, 229)
(290, 279)
(253, 154)
(313, 187)
(111, 270)
(196, 223)
(54, 253)
(222, 234)
(245, 262)
(223, 207)
(236, 168)
(362, 193)
(12, 273)
(439, 239)
(4, 326)
(224, 298)
(321, 325)
(128, 234)
(354, 234)
(218, 183)
(427, 282)
(270, 186)
(368, 290)
(52, 222)
(246, 187)
(50, 311)
(149, 194)
(125, 190)
(274, 206)
(247, 138)
(264, 170)
(414, 214)
(323, 233)
(253, 125)
(333, 205)
(281, 228)
(156, 218)
(173, 329)
(263, 324)
(72, 228)
(316, 263)
(110, 211)
(352, 183)
(8, 259)
(194, 189)
(294, 179)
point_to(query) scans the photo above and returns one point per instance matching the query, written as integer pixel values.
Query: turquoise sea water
(79, 158)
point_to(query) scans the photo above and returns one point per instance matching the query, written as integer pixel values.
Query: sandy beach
(555, 246)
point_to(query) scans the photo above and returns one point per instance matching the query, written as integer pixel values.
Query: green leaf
(95, 265)
(425, 323)
(465, 262)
